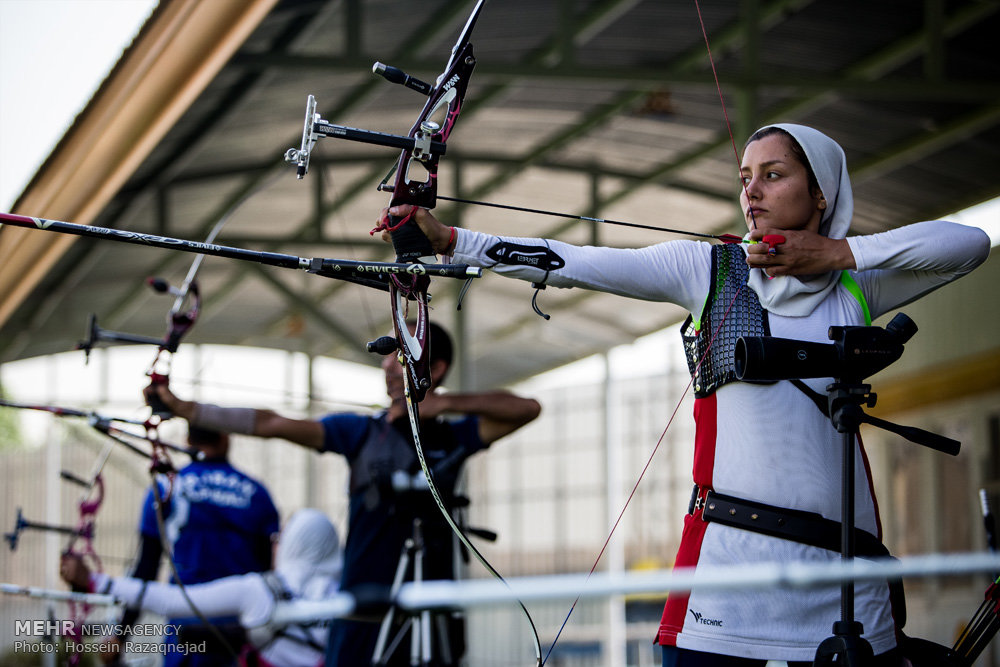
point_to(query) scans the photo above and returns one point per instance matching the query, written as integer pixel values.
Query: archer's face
(393, 377)
(777, 193)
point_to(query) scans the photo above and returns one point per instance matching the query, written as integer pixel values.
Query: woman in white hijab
(764, 447)
(307, 567)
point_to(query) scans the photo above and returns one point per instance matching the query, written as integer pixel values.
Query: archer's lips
(754, 212)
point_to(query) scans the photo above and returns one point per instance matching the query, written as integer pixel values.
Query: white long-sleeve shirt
(247, 596)
(766, 443)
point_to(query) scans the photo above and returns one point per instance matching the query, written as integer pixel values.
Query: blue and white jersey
(218, 522)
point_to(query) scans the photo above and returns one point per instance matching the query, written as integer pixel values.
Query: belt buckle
(698, 499)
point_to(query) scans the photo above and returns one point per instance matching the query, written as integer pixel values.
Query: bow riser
(415, 184)
(417, 171)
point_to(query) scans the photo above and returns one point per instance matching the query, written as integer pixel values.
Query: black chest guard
(740, 315)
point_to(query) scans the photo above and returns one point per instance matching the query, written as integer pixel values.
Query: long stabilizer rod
(371, 274)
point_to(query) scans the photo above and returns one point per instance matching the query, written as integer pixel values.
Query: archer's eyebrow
(764, 165)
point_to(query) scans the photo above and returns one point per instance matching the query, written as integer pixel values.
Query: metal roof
(601, 107)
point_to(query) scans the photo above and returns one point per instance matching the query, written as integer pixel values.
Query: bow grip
(409, 242)
(153, 399)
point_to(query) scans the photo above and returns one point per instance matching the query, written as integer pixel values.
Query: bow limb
(187, 300)
(89, 504)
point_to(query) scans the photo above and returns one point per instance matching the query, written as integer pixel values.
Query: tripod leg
(380, 654)
(421, 639)
(444, 639)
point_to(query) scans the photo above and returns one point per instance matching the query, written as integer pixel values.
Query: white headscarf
(798, 296)
(309, 558)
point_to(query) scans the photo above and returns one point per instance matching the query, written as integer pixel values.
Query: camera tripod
(845, 400)
(856, 353)
(427, 630)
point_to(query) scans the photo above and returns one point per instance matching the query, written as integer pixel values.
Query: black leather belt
(807, 528)
(796, 525)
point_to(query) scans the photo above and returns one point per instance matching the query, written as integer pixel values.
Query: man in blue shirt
(386, 493)
(218, 522)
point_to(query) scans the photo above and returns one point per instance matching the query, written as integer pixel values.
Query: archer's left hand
(437, 232)
(802, 253)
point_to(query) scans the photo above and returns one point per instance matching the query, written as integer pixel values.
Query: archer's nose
(751, 189)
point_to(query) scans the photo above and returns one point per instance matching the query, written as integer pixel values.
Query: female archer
(794, 185)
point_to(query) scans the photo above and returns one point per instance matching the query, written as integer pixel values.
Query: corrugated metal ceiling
(600, 106)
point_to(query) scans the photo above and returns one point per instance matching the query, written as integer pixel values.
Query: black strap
(821, 400)
(798, 526)
(795, 525)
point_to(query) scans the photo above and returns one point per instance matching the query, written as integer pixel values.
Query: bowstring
(722, 103)
(725, 238)
(159, 501)
(708, 348)
(645, 468)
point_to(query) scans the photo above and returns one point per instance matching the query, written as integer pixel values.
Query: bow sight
(179, 323)
(21, 524)
(422, 146)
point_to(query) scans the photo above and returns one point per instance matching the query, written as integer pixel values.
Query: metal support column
(614, 650)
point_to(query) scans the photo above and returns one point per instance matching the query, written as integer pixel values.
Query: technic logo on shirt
(698, 618)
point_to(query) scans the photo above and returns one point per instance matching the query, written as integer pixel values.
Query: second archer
(386, 487)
